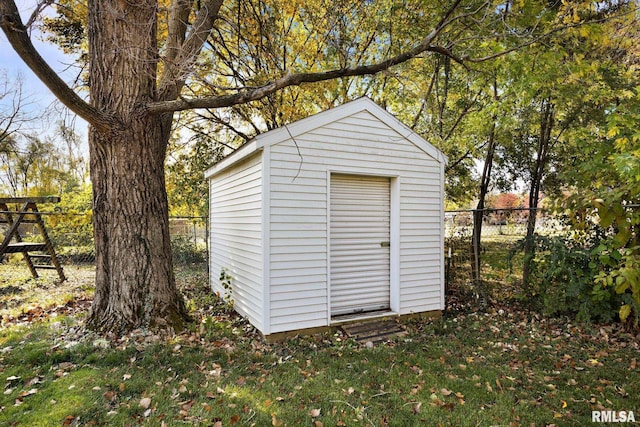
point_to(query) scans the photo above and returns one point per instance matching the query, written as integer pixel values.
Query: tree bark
(478, 214)
(544, 141)
(135, 285)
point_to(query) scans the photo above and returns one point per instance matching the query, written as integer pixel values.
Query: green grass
(20, 293)
(499, 368)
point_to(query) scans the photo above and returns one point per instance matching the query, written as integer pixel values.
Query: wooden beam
(45, 199)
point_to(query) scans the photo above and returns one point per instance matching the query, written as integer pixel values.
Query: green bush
(186, 252)
(73, 226)
(566, 272)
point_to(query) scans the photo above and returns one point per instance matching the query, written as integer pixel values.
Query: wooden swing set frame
(37, 255)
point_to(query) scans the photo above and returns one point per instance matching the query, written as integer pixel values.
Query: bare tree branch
(177, 28)
(180, 59)
(16, 34)
(15, 108)
(42, 5)
(253, 94)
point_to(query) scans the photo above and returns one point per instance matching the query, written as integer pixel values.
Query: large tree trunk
(135, 285)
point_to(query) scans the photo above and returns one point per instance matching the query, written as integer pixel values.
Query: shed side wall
(356, 144)
(236, 236)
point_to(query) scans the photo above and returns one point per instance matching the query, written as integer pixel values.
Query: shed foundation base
(342, 321)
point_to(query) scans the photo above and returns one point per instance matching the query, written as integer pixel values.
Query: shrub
(568, 274)
(186, 252)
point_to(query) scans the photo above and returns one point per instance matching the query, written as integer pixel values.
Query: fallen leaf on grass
(416, 407)
(186, 406)
(28, 393)
(314, 413)
(110, 395)
(621, 391)
(145, 402)
(448, 406)
(275, 421)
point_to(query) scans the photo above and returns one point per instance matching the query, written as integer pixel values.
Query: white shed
(337, 216)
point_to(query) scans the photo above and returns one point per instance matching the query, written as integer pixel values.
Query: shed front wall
(236, 236)
(299, 178)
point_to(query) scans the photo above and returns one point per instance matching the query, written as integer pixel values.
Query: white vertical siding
(236, 235)
(356, 144)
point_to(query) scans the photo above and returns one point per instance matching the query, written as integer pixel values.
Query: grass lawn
(503, 367)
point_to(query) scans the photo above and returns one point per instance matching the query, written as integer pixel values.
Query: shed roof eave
(364, 103)
(405, 131)
(240, 154)
(307, 124)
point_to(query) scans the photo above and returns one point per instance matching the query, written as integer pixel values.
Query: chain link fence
(500, 255)
(497, 254)
(72, 237)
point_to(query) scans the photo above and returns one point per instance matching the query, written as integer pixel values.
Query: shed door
(359, 259)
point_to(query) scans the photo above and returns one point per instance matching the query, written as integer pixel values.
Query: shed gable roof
(321, 119)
